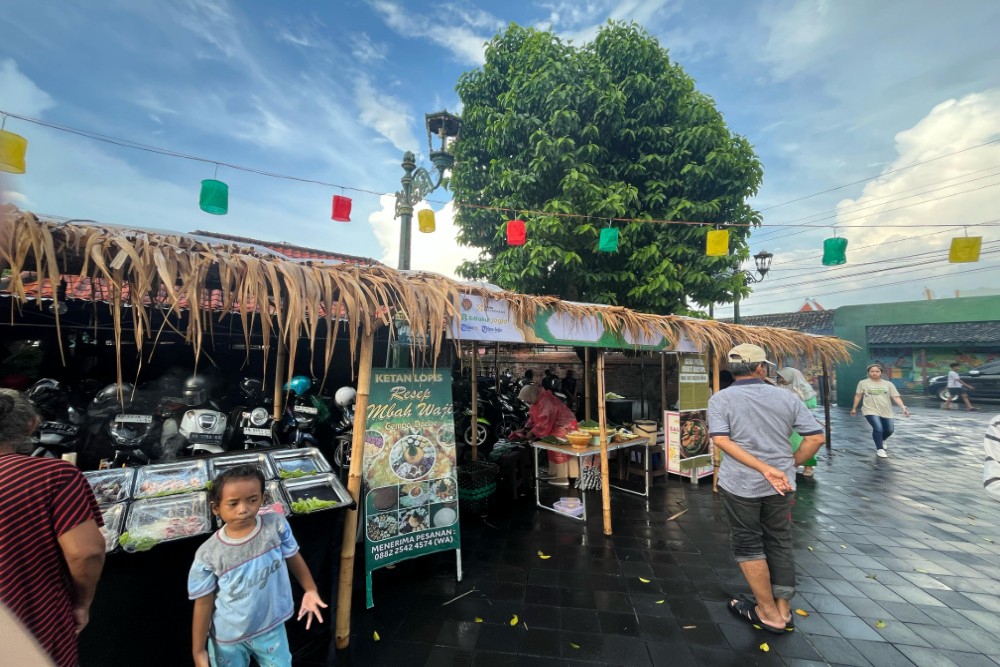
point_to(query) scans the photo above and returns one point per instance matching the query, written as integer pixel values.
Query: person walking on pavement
(751, 422)
(991, 461)
(51, 547)
(793, 380)
(957, 387)
(878, 396)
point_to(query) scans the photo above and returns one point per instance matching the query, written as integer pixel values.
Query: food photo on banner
(689, 449)
(409, 484)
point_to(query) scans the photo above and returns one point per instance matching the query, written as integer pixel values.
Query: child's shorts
(269, 650)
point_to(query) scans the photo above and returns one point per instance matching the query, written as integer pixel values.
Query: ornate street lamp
(417, 182)
(763, 262)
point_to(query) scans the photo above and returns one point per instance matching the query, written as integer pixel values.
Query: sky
(876, 122)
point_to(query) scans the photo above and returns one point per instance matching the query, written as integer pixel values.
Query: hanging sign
(409, 482)
(693, 389)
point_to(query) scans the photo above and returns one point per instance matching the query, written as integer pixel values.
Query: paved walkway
(897, 558)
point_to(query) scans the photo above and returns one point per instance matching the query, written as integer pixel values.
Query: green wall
(849, 323)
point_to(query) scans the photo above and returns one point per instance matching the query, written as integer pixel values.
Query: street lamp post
(417, 182)
(763, 262)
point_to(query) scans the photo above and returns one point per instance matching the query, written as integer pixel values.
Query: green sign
(692, 386)
(409, 484)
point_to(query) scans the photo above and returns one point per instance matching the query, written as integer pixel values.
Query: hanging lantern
(341, 208)
(717, 243)
(214, 197)
(12, 150)
(965, 249)
(517, 234)
(609, 240)
(835, 251)
(425, 220)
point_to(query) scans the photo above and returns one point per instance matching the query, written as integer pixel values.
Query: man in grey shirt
(751, 422)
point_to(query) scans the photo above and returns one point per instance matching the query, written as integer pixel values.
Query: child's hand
(201, 658)
(311, 604)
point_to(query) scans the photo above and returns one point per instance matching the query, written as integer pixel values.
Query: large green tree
(612, 129)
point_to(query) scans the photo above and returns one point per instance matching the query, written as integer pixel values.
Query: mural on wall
(906, 370)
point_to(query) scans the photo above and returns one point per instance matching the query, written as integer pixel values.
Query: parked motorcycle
(123, 422)
(303, 411)
(62, 430)
(343, 430)
(250, 425)
(195, 425)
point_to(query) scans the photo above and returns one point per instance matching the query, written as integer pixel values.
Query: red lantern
(516, 232)
(341, 208)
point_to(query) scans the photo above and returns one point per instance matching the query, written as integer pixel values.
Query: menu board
(689, 449)
(409, 482)
(693, 387)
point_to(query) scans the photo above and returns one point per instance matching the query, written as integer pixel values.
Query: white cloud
(796, 34)
(465, 38)
(386, 115)
(438, 252)
(19, 94)
(367, 50)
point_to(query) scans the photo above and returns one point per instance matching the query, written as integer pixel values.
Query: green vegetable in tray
(137, 544)
(291, 474)
(313, 504)
(589, 423)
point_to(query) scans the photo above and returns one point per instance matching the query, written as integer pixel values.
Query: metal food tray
(114, 517)
(125, 476)
(322, 486)
(308, 460)
(193, 476)
(219, 463)
(149, 517)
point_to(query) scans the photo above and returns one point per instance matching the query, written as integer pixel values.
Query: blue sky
(829, 93)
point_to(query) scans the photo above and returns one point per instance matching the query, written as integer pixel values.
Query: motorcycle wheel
(482, 435)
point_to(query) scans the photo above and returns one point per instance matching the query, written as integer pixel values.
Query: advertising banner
(409, 482)
(693, 388)
(689, 449)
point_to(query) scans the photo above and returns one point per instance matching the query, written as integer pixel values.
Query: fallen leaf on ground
(477, 619)
(544, 556)
(513, 620)
(879, 624)
(920, 571)
(810, 548)
(690, 627)
(572, 645)
(375, 636)
(801, 612)
(764, 647)
(986, 539)
(645, 581)
(870, 576)
(659, 602)
(676, 515)
(843, 546)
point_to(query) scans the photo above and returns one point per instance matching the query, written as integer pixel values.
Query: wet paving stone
(896, 559)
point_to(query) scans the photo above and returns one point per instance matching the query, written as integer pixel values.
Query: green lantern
(609, 240)
(214, 197)
(835, 251)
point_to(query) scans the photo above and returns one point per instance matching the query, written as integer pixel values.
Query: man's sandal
(747, 611)
(789, 626)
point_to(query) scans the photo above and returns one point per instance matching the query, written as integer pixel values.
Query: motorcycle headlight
(75, 416)
(259, 416)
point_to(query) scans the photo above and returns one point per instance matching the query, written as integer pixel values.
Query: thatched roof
(138, 264)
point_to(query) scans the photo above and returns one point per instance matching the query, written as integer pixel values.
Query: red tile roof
(294, 251)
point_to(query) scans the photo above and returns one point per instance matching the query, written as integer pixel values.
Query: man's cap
(748, 354)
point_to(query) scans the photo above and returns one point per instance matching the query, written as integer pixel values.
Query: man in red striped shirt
(51, 547)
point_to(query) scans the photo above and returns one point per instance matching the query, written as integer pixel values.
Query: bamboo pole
(714, 360)
(663, 392)
(826, 402)
(279, 378)
(586, 383)
(475, 401)
(602, 419)
(347, 548)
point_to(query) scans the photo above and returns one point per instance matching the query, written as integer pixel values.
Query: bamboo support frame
(279, 378)
(474, 425)
(663, 392)
(348, 547)
(826, 402)
(586, 383)
(602, 419)
(716, 455)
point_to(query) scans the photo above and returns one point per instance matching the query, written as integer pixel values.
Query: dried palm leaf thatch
(291, 298)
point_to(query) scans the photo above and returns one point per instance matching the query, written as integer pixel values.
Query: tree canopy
(610, 129)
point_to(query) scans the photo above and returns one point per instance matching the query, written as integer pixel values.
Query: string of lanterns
(214, 199)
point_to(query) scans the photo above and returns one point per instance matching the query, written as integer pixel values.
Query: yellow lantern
(425, 220)
(12, 150)
(965, 249)
(717, 243)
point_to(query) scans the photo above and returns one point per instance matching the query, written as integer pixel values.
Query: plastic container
(292, 463)
(167, 479)
(218, 464)
(114, 518)
(275, 501)
(111, 486)
(154, 520)
(315, 493)
(569, 506)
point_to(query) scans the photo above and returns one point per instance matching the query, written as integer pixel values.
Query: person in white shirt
(991, 462)
(958, 387)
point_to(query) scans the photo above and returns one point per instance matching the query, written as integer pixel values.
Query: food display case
(154, 520)
(114, 519)
(293, 463)
(217, 464)
(167, 479)
(111, 486)
(316, 492)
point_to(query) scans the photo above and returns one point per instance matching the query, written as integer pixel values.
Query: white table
(592, 450)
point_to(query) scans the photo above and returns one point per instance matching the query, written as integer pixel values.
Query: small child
(958, 387)
(239, 580)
